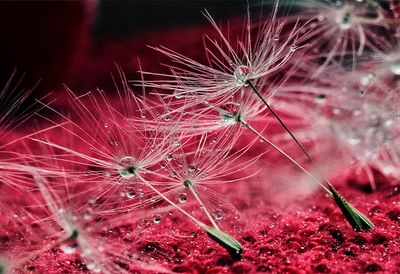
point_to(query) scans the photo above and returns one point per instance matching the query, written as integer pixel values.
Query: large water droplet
(69, 246)
(182, 198)
(395, 67)
(242, 75)
(128, 167)
(345, 21)
(230, 113)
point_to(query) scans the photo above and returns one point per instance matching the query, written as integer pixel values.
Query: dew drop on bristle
(320, 98)
(141, 193)
(130, 193)
(128, 168)
(242, 75)
(176, 143)
(218, 214)
(167, 118)
(345, 21)
(169, 157)
(69, 247)
(178, 95)
(182, 198)
(230, 113)
(157, 218)
(395, 67)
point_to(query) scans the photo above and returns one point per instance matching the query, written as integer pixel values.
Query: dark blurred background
(50, 40)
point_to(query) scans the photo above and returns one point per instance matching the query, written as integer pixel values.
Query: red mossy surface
(304, 235)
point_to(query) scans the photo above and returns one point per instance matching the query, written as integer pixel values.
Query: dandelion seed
(79, 234)
(344, 29)
(360, 130)
(229, 68)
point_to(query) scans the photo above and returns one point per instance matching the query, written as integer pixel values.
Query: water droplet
(242, 75)
(230, 113)
(69, 247)
(320, 98)
(176, 143)
(170, 157)
(128, 167)
(276, 37)
(88, 214)
(94, 267)
(167, 118)
(130, 192)
(395, 67)
(182, 198)
(354, 140)
(162, 165)
(213, 140)
(293, 48)
(87, 251)
(141, 193)
(157, 218)
(105, 125)
(143, 114)
(178, 95)
(345, 21)
(218, 214)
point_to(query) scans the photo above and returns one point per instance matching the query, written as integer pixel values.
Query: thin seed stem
(259, 135)
(356, 219)
(290, 133)
(171, 202)
(225, 240)
(202, 206)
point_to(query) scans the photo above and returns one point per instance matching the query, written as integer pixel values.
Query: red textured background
(294, 235)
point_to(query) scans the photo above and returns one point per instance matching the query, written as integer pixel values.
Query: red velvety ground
(304, 235)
